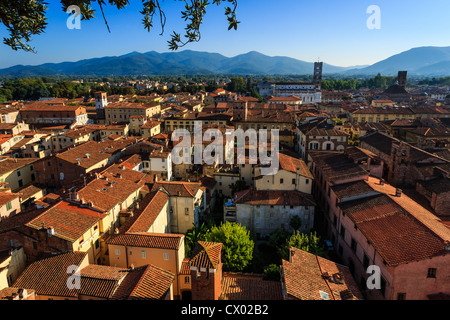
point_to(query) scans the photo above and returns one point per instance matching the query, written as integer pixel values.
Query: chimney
(51, 230)
(398, 192)
(116, 231)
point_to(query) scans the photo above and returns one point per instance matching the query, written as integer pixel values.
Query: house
(68, 227)
(123, 111)
(293, 174)
(319, 134)
(12, 264)
(264, 211)
(69, 276)
(18, 172)
(309, 277)
(138, 249)
(72, 164)
(9, 204)
(40, 113)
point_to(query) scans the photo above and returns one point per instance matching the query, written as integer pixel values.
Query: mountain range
(422, 61)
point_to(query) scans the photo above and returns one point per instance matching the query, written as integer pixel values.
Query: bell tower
(317, 80)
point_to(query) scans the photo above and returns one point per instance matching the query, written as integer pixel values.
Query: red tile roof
(149, 209)
(274, 197)
(145, 283)
(69, 221)
(306, 276)
(206, 255)
(249, 287)
(49, 276)
(180, 189)
(148, 240)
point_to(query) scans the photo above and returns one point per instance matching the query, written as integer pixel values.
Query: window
(18, 173)
(143, 254)
(34, 245)
(293, 181)
(281, 181)
(117, 252)
(354, 245)
(307, 181)
(187, 280)
(431, 273)
(401, 296)
(97, 243)
(8, 206)
(165, 256)
(342, 232)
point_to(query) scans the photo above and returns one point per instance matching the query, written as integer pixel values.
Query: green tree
(23, 19)
(237, 84)
(295, 223)
(309, 242)
(237, 251)
(197, 233)
(272, 272)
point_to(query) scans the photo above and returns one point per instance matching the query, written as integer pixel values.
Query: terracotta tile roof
(100, 281)
(49, 276)
(422, 215)
(148, 240)
(149, 209)
(97, 151)
(336, 166)
(206, 255)
(306, 276)
(185, 269)
(249, 287)
(292, 164)
(10, 164)
(180, 189)
(69, 221)
(108, 190)
(354, 188)
(6, 197)
(274, 197)
(394, 232)
(145, 283)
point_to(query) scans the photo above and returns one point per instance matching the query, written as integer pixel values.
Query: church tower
(318, 66)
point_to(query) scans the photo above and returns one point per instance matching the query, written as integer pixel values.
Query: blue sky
(330, 30)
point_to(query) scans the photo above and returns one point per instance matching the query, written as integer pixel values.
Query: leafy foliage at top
(26, 18)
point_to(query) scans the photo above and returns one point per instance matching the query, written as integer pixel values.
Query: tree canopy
(24, 19)
(237, 250)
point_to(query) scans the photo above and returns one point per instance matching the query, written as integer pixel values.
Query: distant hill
(172, 63)
(427, 61)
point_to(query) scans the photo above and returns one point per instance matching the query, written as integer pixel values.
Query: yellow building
(69, 227)
(17, 172)
(163, 250)
(377, 114)
(121, 112)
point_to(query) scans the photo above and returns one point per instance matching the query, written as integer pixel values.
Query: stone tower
(206, 271)
(318, 67)
(402, 79)
(101, 100)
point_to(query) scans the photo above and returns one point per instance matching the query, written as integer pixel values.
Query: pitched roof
(145, 283)
(178, 188)
(147, 240)
(149, 209)
(69, 221)
(274, 197)
(206, 255)
(308, 276)
(49, 276)
(354, 188)
(336, 166)
(293, 164)
(249, 287)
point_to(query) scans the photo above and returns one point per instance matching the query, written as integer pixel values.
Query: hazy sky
(330, 30)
